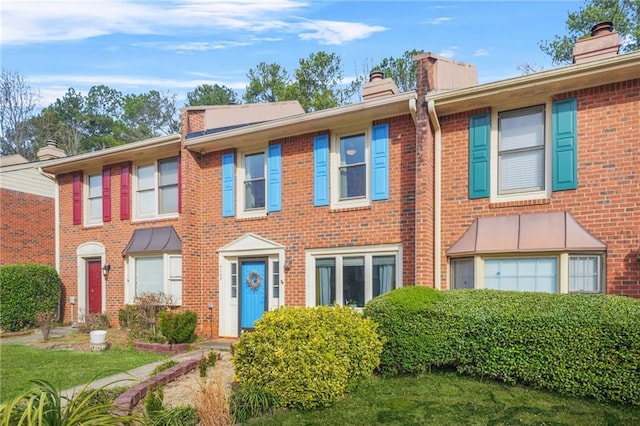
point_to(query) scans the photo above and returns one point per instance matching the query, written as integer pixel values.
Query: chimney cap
(601, 27)
(376, 75)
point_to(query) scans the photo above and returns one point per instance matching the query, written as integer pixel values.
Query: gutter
(56, 209)
(431, 109)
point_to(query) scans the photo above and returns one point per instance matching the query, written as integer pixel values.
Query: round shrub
(178, 327)
(25, 290)
(307, 357)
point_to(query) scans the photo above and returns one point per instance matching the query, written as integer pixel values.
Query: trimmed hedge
(307, 357)
(25, 290)
(577, 344)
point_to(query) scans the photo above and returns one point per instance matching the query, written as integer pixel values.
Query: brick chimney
(50, 151)
(378, 86)
(604, 42)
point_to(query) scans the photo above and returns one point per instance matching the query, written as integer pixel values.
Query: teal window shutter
(228, 185)
(321, 170)
(274, 194)
(565, 145)
(380, 162)
(479, 143)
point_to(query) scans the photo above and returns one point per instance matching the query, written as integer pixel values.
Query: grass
(446, 398)
(62, 368)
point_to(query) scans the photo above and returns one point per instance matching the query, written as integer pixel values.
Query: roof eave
(123, 153)
(304, 123)
(539, 85)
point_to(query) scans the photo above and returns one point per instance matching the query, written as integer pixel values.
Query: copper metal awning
(539, 232)
(163, 239)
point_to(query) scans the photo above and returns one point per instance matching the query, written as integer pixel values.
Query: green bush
(577, 344)
(307, 357)
(25, 290)
(178, 327)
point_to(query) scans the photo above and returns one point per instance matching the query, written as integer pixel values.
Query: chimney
(604, 42)
(50, 151)
(378, 86)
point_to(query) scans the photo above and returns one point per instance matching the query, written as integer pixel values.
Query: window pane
(462, 271)
(522, 171)
(234, 280)
(353, 280)
(169, 199)
(146, 177)
(353, 181)
(384, 274)
(325, 281)
(146, 203)
(254, 166)
(168, 172)
(95, 209)
(535, 274)
(254, 195)
(276, 279)
(521, 129)
(584, 274)
(352, 150)
(149, 273)
(175, 266)
(95, 186)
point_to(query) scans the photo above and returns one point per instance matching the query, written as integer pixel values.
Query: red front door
(94, 277)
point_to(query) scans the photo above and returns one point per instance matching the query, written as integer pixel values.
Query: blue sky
(136, 46)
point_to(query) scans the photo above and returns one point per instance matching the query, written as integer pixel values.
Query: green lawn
(451, 399)
(62, 368)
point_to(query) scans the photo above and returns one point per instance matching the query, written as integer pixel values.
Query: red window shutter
(125, 191)
(77, 198)
(106, 194)
(180, 183)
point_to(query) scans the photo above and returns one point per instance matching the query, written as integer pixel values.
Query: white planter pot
(98, 337)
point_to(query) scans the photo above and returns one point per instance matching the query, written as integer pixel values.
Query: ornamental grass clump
(307, 357)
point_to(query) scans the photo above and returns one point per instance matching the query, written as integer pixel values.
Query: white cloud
(438, 21)
(481, 52)
(336, 32)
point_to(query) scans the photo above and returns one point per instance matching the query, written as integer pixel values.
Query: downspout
(437, 184)
(56, 210)
(413, 108)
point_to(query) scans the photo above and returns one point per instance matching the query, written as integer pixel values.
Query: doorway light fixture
(105, 270)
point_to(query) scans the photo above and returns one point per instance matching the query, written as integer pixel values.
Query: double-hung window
(160, 275)
(521, 151)
(352, 167)
(157, 189)
(254, 182)
(351, 276)
(94, 199)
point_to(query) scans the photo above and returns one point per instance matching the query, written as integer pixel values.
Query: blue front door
(253, 293)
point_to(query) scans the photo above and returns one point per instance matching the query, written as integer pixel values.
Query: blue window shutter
(565, 145)
(479, 142)
(274, 195)
(380, 162)
(321, 170)
(228, 185)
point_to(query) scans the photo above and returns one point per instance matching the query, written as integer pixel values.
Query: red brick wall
(607, 201)
(299, 225)
(113, 235)
(27, 231)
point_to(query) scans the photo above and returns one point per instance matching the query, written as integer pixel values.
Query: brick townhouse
(530, 183)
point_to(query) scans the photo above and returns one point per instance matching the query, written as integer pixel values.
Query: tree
(149, 115)
(207, 94)
(69, 115)
(402, 70)
(625, 15)
(103, 109)
(319, 83)
(17, 105)
(267, 83)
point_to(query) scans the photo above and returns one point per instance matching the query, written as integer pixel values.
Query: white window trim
(334, 153)
(155, 215)
(494, 168)
(167, 280)
(242, 213)
(562, 264)
(368, 252)
(87, 201)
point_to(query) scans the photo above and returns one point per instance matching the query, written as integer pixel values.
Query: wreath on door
(254, 280)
